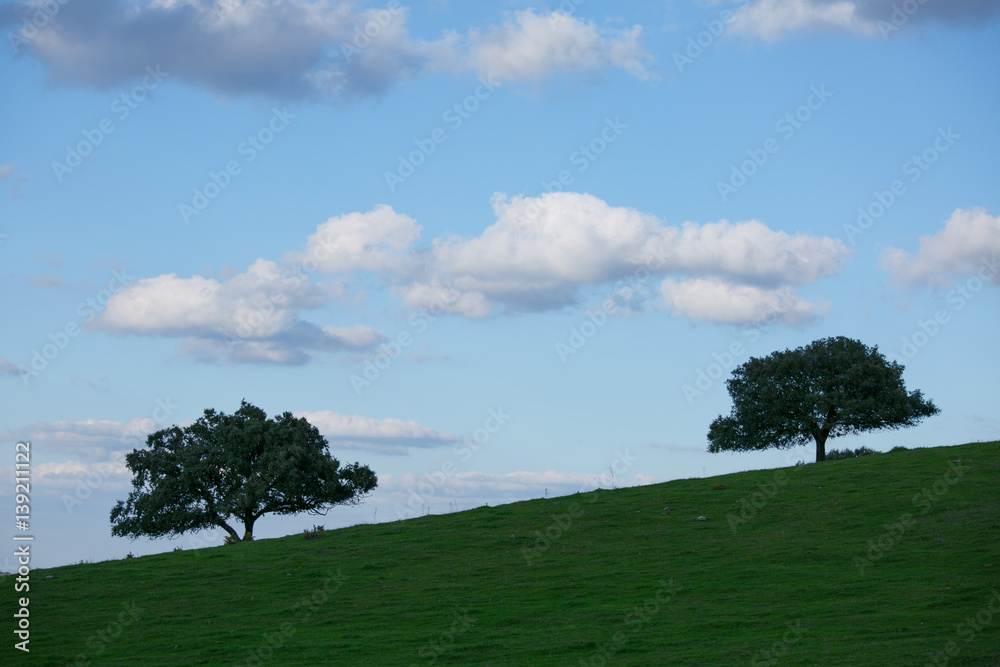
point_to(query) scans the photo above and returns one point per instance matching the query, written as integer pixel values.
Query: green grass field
(880, 560)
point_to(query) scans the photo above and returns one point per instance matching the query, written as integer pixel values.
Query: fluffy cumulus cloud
(386, 436)
(379, 240)
(775, 19)
(532, 47)
(968, 245)
(251, 317)
(543, 252)
(296, 49)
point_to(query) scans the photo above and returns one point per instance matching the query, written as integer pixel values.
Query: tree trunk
(232, 533)
(821, 445)
(248, 525)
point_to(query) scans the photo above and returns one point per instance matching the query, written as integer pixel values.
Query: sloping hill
(880, 560)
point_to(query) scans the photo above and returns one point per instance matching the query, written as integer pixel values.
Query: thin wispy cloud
(385, 436)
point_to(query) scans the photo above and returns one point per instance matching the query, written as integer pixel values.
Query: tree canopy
(831, 387)
(238, 466)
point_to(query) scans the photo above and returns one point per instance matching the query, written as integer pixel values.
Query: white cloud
(715, 300)
(968, 244)
(299, 49)
(5, 171)
(542, 251)
(84, 442)
(533, 47)
(771, 20)
(285, 48)
(774, 19)
(251, 317)
(386, 436)
(379, 240)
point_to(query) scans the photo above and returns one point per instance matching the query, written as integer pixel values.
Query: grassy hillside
(608, 577)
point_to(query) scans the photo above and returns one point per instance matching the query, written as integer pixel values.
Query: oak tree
(831, 387)
(240, 466)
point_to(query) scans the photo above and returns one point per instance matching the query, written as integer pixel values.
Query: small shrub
(178, 549)
(898, 448)
(229, 539)
(837, 454)
(130, 555)
(316, 532)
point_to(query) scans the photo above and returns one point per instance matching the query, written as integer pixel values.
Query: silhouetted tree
(831, 387)
(238, 466)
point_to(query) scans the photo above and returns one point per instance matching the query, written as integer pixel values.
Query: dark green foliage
(238, 466)
(829, 388)
(836, 454)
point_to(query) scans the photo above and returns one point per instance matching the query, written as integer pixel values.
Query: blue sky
(547, 233)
